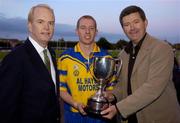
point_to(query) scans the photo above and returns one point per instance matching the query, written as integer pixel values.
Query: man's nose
(46, 26)
(131, 26)
(87, 30)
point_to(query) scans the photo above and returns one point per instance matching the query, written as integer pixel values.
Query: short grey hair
(31, 12)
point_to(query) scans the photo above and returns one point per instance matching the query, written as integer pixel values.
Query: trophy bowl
(104, 68)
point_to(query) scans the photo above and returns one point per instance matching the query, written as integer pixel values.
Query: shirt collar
(130, 45)
(78, 49)
(36, 45)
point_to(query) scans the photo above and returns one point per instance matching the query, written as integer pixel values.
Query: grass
(178, 56)
(114, 53)
(58, 52)
(3, 54)
(178, 53)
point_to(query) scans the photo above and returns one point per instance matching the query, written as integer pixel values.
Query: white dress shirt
(40, 49)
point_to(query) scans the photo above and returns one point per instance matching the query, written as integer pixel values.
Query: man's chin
(88, 43)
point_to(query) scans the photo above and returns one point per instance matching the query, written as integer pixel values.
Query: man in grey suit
(28, 75)
(145, 92)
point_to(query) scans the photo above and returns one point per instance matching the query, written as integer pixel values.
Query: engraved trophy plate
(103, 70)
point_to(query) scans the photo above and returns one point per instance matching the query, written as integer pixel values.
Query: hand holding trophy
(104, 68)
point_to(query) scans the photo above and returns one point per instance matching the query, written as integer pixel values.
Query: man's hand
(110, 112)
(110, 97)
(80, 107)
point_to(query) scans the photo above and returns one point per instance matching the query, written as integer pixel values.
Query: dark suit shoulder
(16, 55)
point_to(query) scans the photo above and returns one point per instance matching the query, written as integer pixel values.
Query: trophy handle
(118, 66)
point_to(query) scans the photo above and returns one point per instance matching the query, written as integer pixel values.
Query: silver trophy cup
(104, 68)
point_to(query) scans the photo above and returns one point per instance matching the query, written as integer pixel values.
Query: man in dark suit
(28, 77)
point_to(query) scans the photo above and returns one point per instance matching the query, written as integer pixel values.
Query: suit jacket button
(57, 118)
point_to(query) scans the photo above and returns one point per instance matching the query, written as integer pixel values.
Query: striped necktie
(47, 61)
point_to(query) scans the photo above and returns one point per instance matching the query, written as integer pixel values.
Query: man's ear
(29, 26)
(77, 33)
(146, 22)
(96, 32)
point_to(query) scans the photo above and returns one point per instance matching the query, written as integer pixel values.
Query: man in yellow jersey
(76, 81)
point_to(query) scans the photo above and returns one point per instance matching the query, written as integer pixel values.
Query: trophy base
(92, 112)
(95, 107)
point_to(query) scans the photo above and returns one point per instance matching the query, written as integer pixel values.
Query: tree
(103, 43)
(121, 44)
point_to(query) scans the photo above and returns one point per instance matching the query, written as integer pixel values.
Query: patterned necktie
(47, 61)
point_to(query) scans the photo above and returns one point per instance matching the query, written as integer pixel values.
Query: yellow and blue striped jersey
(74, 73)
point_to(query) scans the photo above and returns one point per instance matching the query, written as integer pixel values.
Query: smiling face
(86, 31)
(134, 27)
(41, 25)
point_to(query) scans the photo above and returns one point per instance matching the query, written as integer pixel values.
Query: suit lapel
(53, 57)
(125, 64)
(143, 52)
(124, 70)
(37, 61)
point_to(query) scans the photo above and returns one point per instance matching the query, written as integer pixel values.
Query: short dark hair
(86, 17)
(132, 9)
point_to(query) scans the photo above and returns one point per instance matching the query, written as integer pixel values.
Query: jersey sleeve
(62, 72)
